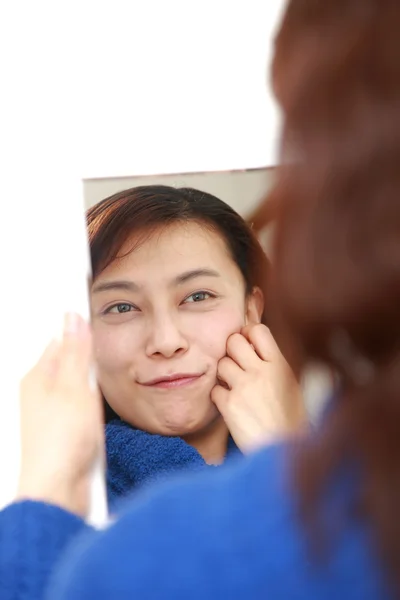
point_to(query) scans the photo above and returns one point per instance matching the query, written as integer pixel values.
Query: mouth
(173, 381)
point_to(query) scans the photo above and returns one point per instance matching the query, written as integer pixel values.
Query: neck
(211, 442)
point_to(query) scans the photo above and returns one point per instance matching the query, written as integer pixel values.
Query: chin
(185, 425)
(180, 429)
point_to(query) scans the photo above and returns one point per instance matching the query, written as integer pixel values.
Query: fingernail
(73, 324)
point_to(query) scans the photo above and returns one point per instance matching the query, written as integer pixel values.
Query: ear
(254, 306)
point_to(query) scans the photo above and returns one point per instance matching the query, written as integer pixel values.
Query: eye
(122, 307)
(198, 297)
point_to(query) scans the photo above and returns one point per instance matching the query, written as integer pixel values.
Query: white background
(174, 87)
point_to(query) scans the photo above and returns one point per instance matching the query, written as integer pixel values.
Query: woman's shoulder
(162, 538)
(231, 532)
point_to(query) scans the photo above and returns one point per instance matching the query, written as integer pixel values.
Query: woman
(179, 282)
(313, 519)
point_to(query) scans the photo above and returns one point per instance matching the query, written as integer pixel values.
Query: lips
(173, 381)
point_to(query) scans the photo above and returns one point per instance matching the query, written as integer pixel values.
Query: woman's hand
(61, 423)
(262, 401)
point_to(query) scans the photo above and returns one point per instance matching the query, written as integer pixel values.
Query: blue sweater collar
(135, 457)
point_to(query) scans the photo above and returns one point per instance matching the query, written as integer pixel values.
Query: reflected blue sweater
(224, 533)
(136, 458)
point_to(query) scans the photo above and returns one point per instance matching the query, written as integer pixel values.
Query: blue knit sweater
(224, 533)
(135, 458)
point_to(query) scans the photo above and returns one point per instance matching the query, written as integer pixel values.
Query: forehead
(173, 249)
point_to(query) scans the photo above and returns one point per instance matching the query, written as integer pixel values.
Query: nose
(165, 338)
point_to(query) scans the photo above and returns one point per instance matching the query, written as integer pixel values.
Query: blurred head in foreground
(336, 277)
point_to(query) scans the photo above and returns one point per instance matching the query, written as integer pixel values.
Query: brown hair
(336, 277)
(135, 212)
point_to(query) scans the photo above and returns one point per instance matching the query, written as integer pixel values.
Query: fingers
(76, 352)
(220, 397)
(253, 343)
(228, 371)
(262, 340)
(240, 350)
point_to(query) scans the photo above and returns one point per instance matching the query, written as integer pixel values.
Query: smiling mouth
(174, 381)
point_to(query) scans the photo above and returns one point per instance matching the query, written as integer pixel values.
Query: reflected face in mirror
(161, 317)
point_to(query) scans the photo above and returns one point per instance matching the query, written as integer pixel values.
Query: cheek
(114, 348)
(213, 334)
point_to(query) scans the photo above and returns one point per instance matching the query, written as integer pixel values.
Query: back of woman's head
(129, 216)
(336, 74)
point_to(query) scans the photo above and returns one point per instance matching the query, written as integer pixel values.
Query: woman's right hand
(261, 401)
(61, 423)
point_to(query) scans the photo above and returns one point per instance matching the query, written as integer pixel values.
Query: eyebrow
(122, 285)
(131, 286)
(189, 275)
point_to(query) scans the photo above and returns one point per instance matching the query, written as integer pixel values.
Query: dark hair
(142, 209)
(336, 277)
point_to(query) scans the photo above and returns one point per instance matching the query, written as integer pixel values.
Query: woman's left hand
(61, 423)
(262, 401)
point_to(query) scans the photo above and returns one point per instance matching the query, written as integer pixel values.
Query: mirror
(148, 328)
